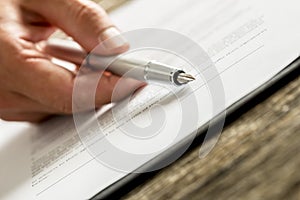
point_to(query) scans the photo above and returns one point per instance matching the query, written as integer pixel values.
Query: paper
(249, 42)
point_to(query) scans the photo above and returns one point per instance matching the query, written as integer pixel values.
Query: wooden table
(256, 157)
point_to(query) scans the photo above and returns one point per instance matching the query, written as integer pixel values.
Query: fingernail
(112, 39)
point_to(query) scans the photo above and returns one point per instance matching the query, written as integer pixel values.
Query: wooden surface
(256, 157)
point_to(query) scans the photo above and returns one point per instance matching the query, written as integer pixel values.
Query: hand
(31, 86)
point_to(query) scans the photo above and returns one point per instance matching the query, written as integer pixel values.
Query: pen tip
(184, 78)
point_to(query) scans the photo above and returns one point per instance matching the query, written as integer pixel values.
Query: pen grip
(63, 49)
(119, 66)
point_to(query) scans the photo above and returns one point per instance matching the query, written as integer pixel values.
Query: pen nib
(184, 78)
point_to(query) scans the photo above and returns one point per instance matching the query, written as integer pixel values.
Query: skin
(32, 88)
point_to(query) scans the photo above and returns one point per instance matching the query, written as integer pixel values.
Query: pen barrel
(137, 69)
(120, 66)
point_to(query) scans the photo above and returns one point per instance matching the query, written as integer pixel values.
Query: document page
(248, 43)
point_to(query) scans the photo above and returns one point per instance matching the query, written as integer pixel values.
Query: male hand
(31, 86)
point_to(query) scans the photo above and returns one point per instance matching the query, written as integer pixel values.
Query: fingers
(47, 88)
(53, 86)
(46, 83)
(31, 86)
(84, 20)
(28, 72)
(93, 90)
(16, 107)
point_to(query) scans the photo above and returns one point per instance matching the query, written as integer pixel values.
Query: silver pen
(133, 68)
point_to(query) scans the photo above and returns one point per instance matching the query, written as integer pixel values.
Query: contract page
(248, 42)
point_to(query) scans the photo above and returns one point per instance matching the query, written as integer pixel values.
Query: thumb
(85, 21)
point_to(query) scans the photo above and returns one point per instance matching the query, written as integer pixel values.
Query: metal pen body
(137, 69)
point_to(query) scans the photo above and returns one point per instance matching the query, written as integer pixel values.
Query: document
(248, 42)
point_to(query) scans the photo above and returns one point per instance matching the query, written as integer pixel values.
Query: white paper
(249, 42)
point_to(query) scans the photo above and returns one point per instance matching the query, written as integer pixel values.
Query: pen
(138, 69)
